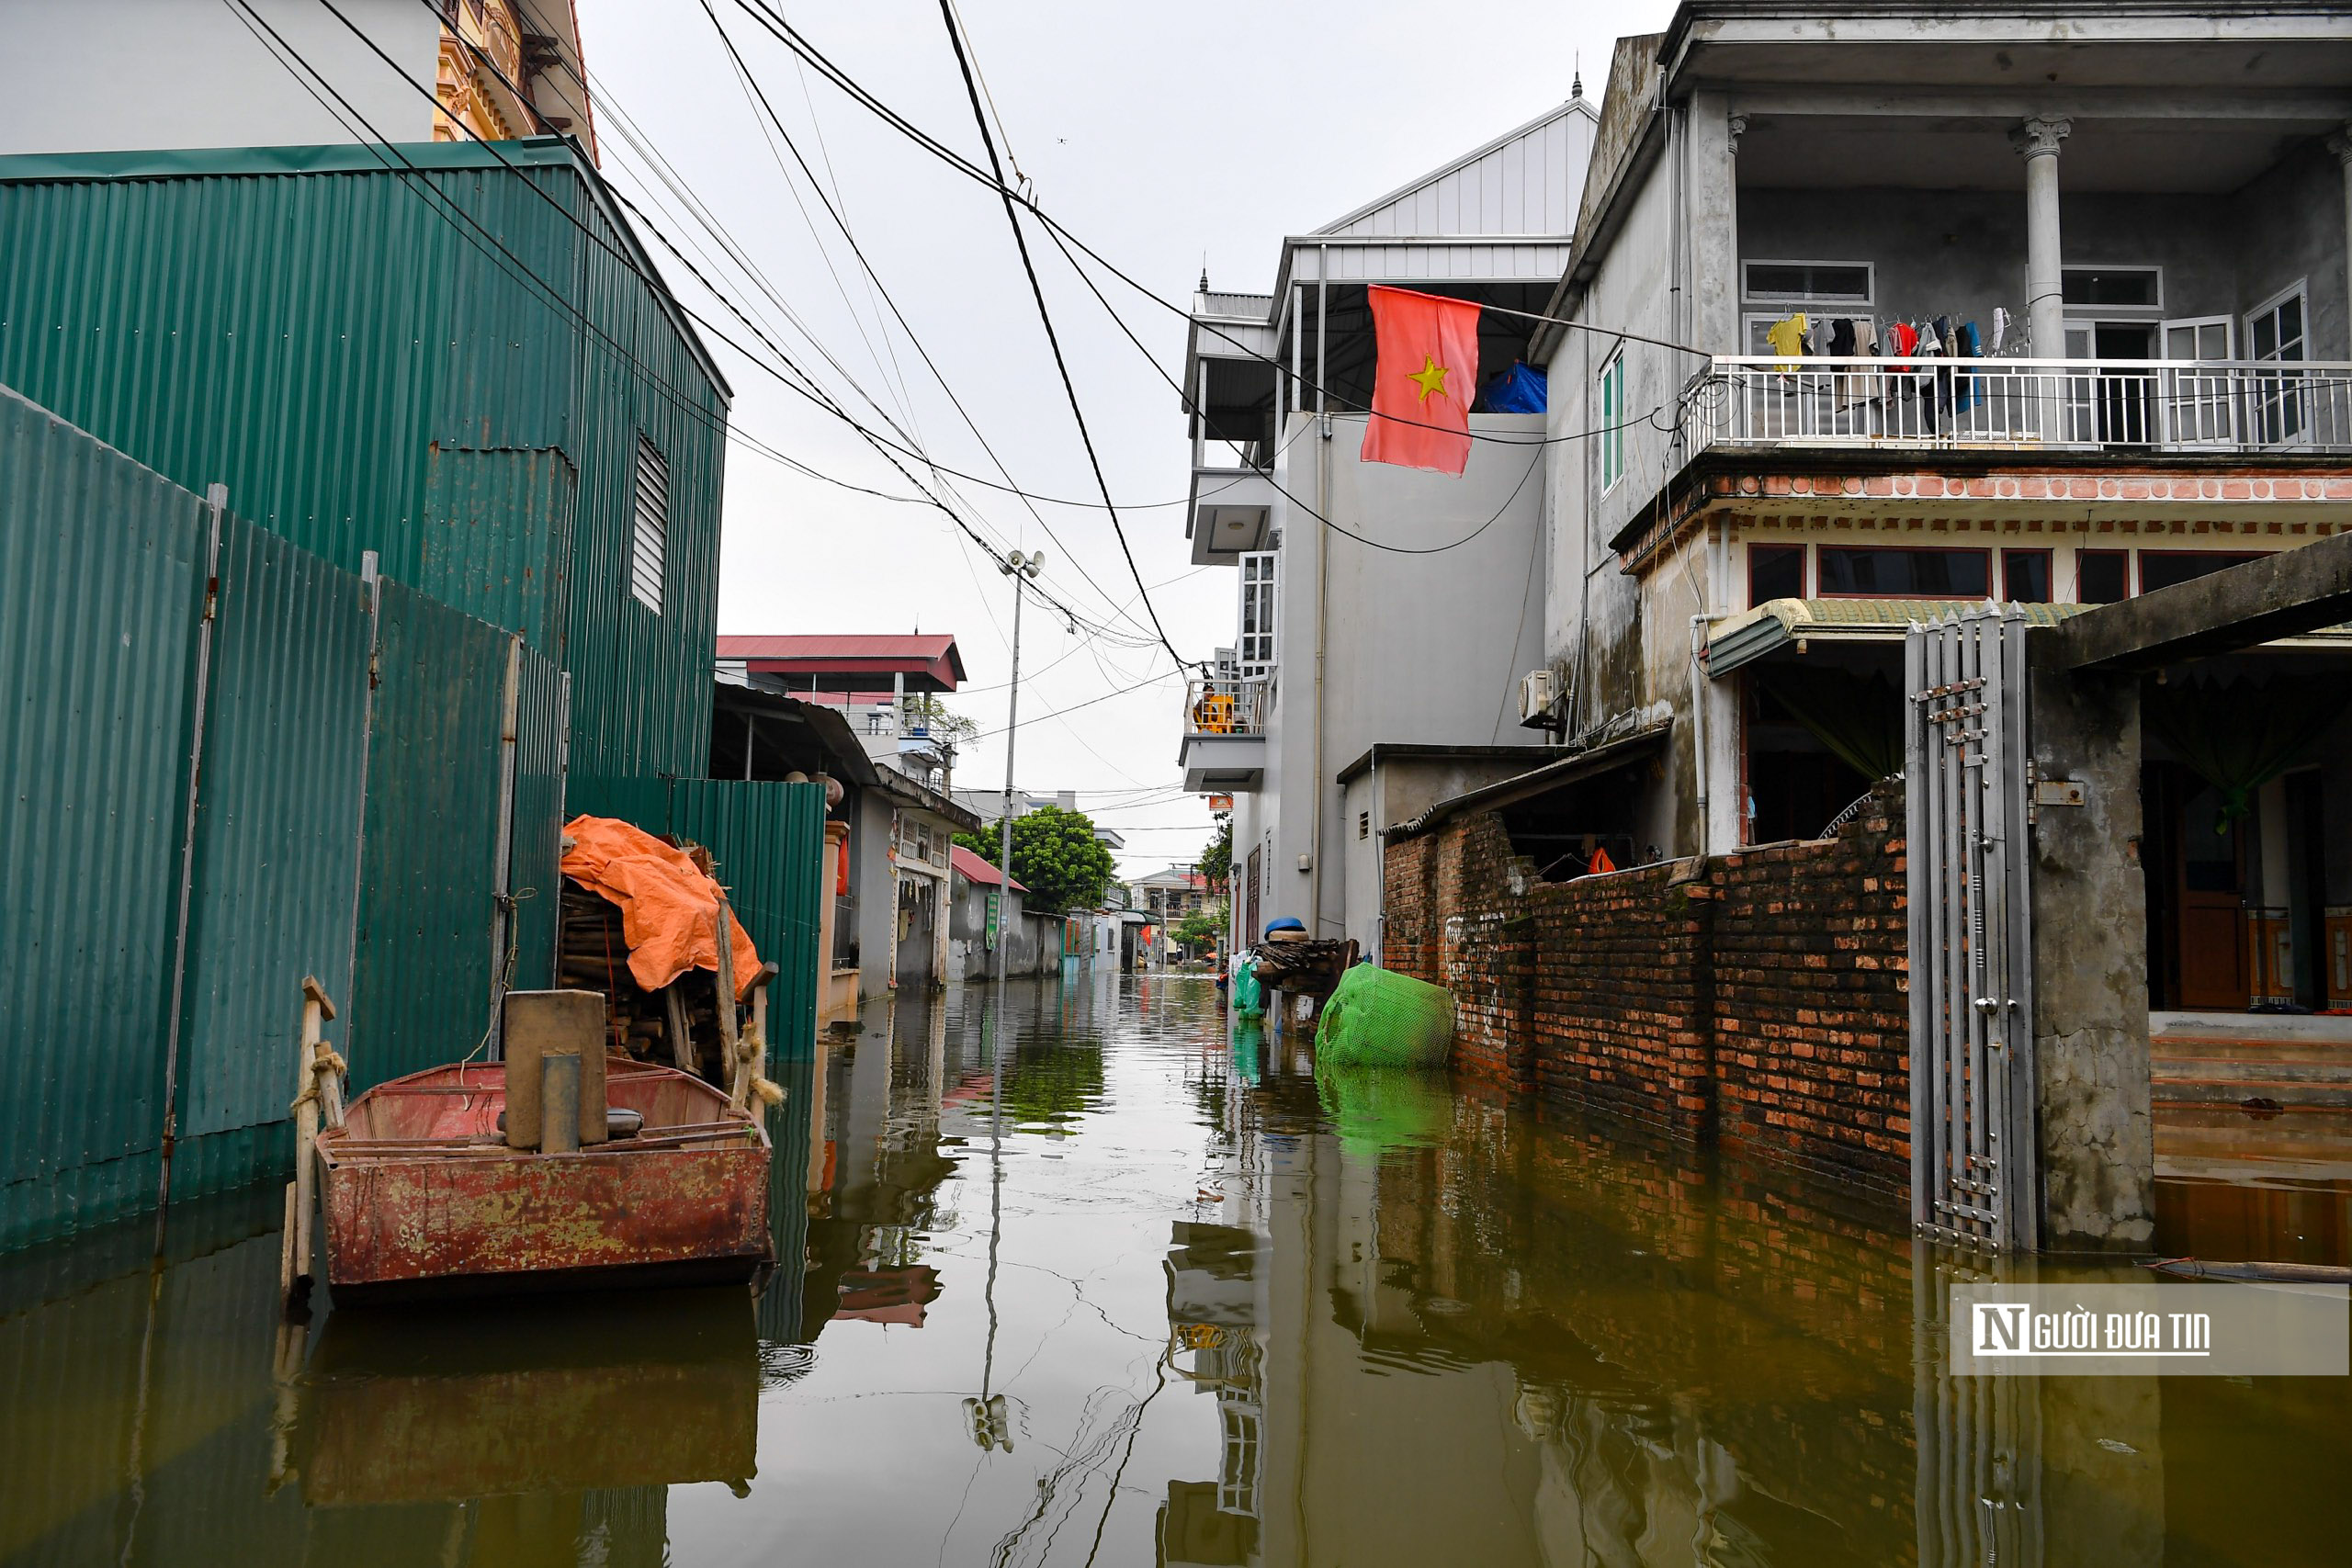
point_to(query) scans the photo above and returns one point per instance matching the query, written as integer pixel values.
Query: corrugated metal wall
(308, 816)
(102, 582)
(536, 878)
(428, 881)
(448, 367)
(277, 841)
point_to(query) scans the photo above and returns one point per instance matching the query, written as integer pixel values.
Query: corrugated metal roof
(1753, 633)
(975, 870)
(1526, 181)
(932, 657)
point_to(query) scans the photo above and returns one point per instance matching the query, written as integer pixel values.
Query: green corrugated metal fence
(428, 890)
(318, 803)
(102, 584)
(437, 353)
(276, 848)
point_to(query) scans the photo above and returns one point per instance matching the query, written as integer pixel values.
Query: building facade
(1375, 605)
(1904, 323)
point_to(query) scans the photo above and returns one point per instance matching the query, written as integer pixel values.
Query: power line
(1044, 316)
(811, 392)
(773, 21)
(841, 221)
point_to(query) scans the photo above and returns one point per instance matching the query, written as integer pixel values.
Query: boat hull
(433, 1223)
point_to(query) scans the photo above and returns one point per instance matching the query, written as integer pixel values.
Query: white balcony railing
(1225, 705)
(2077, 404)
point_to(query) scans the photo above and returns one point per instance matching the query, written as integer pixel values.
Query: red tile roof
(975, 870)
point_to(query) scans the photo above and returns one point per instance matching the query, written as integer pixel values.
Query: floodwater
(1162, 1300)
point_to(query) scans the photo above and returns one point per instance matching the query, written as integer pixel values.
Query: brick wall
(1757, 998)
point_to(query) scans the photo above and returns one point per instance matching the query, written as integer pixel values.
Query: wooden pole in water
(295, 1259)
(727, 1040)
(754, 1066)
(682, 1039)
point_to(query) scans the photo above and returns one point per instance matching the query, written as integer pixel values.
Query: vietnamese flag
(1424, 377)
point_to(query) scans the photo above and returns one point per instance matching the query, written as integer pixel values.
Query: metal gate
(1972, 1178)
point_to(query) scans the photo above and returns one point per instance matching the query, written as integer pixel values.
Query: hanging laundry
(1906, 339)
(2000, 328)
(1971, 388)
(1947, 347)
(1787, 336)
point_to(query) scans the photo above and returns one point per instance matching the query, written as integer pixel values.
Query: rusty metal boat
(423, 1194)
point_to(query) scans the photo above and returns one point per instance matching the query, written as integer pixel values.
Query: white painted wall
(1425, 649)
(119, 75)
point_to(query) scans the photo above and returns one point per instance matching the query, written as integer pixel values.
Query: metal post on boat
(559, 1104)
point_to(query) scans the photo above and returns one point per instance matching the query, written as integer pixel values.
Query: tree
(1217, 860)
(1055, 855)
(1202, 928)
(924, 708)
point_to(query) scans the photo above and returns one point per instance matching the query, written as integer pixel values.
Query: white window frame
(2091, 315)
(2298, 289)
(1267, 589)
(1611, 390)
(2266, 404)
(1779, 306)
(649, 550)
(1746, 270)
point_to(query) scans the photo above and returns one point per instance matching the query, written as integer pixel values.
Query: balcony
(2136, 407)
(1232, 508)
(1225, 736)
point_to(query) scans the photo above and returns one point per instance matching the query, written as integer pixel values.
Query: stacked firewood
(591, 956)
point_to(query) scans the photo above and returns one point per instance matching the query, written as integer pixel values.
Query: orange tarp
(668, 907)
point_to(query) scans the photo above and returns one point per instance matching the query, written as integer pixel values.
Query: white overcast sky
(1164, 135)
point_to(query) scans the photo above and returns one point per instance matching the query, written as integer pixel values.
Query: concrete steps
(2218, 1069)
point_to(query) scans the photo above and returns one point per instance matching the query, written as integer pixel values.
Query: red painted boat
(423, 1197)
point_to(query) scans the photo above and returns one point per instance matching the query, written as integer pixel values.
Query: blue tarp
(1516, 391)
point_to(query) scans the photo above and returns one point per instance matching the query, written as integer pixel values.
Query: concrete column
(1712, 226)
(2037, 141)
(2341, 145)
(2090, 969)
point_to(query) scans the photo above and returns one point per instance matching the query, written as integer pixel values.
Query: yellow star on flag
(1429, 377)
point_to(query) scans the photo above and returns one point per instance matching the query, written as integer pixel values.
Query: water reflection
(1086, 1279)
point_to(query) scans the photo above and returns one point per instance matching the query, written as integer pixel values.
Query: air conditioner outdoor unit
(1539, 698)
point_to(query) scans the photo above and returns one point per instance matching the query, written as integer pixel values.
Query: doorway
(2197, 890)
(918, 918)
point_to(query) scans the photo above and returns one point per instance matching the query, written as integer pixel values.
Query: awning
(1580, 764)
(1751, 635)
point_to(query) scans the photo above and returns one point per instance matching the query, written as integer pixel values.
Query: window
(1613, 419)
(1257, 640)
(1363, 824)
(2162, 568)
(2130, 288)
(1827, 283)
(1827, 289)
(649, 543)
(2025, 577)
(1899, 573)
(2274, 333)
(2102, 577)
(1775, 571)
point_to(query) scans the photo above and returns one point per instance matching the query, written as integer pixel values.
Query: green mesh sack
(1377, 1018)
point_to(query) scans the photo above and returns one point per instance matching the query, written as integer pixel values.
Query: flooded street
(1165, 1300)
